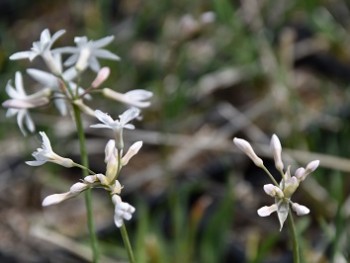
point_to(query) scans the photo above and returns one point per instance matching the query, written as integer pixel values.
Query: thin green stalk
(270, 175)
(127, 244)
(88, 198)
(293, 232)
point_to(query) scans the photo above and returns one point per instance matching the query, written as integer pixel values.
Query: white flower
(86, 52)
(117, 125)
(20, 102)
(123, 211)
(49, 80)
(43, 48)
(122, 123)
(245, 147)
(136, 98)
(46, 154)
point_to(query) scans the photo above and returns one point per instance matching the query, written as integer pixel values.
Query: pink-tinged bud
(102, 75)
(273, 191)
(312, 166)
(276, 148)
(245, 147)
(300, 210)
(267, 210)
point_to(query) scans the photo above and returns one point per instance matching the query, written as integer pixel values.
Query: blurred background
(218, 69)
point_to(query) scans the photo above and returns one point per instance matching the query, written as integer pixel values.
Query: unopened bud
(300, 210)
(273, 191)
(245, 147)
(102, 75)
(276, 148)
(312, 166)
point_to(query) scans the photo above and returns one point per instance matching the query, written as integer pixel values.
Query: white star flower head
(43, 48)
(46, 154)
(116, 125)
(136, 98)
(123, 211)
(20, 102)
(86, 53)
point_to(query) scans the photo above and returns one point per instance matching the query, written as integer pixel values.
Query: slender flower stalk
(88, 197)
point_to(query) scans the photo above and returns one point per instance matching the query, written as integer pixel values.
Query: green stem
(293, 232)
(127, 243)
(270, 175)
(88, 197)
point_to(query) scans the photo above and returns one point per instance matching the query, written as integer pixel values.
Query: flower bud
(276, 148)
(300, 209)
(102, 75)
(273, 191)
(133, 150)
(300, 174)
(267, 210)
(312, 166)
(245, 147)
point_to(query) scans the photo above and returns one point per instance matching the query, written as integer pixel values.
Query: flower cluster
(60, 83)
(114, 160)
(283, 191)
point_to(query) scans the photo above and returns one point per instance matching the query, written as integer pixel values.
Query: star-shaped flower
(20, 102)
(87, 52)
(46, 154)
(43, 48)
(117, 125)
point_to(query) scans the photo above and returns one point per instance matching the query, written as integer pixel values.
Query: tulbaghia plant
(281, 192)
(61, 84)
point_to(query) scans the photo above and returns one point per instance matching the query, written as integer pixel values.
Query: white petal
(103, 53)
(282, 212)
(44, 78)
(267, 210)
(21, 55)
(102, 42)
(300, 210)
